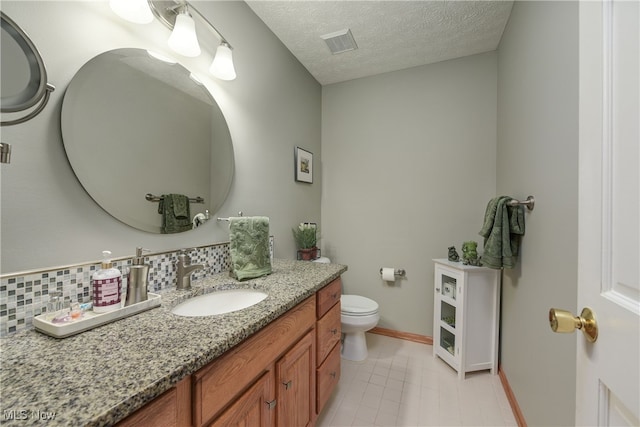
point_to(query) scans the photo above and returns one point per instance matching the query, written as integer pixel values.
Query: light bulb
(183, 39)
(136, 11)
(222, 65)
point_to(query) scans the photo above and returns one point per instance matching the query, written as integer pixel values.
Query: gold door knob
(562, 321)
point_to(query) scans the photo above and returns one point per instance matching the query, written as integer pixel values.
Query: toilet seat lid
(357, 305)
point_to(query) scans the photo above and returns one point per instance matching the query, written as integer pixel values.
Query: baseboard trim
(511, 397)
(422, 339)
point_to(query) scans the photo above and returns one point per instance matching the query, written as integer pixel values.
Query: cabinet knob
(271, 404)
(333, 374)
(287, 385)
(438, 289)
(334, 331)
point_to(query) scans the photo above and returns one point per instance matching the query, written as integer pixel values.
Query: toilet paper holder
(399, 272)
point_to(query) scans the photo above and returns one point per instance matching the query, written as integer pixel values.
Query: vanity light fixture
(222, 65)
(136, 11)
(183, 39)
(176, 15)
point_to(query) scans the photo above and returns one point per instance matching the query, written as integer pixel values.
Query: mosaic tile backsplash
(24, 296)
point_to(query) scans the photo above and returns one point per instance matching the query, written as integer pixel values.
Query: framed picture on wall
(304, 165)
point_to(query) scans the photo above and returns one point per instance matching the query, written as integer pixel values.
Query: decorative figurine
(453, 255)
(475, 262)
(470, 254)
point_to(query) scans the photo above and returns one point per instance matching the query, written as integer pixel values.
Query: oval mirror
(24, 78)
(134, 125)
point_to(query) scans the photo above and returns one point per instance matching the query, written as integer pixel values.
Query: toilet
(358, 314)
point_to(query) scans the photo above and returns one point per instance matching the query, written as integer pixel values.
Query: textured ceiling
(391, 35)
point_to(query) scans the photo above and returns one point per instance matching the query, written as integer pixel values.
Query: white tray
(92, 320)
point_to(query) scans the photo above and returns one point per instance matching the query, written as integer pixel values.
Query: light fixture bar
(167, 10)
(174, 14)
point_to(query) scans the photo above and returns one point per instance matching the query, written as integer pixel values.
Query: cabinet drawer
(328, 375)
(218, 383)
(328, 296)
(328, 332)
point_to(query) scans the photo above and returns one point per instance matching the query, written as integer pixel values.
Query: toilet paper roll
(389, 274)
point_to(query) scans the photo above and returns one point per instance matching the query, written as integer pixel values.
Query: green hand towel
(502, 229)
(175, 211)
(181, 206)
(249, 247)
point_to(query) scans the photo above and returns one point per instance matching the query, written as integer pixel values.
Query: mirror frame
(37, 86)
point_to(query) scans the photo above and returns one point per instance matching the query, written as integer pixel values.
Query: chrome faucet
(184, 270)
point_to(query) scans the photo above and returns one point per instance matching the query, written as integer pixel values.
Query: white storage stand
(466, 316)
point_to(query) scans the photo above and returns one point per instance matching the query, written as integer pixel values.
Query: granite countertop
(100, 376)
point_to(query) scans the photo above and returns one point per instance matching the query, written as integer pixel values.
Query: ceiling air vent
(340, 41)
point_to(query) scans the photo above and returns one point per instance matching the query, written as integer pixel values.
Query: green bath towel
(249, 247)
(502, 229)
(175, 211)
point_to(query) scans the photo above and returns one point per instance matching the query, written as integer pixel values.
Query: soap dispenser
(107, 286)
(137, 280)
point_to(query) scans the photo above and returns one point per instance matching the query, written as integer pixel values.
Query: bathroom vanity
(274, 363)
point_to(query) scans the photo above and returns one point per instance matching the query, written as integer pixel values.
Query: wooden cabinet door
(295, 376)
(253, 407)
(217, 384)
(171, 409)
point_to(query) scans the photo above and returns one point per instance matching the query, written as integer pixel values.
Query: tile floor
(402, 384)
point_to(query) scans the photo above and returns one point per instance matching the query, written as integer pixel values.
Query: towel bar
(227, 219)
(529, 203)
(150, 197)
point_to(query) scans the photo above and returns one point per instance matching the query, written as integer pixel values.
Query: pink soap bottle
(106, 284)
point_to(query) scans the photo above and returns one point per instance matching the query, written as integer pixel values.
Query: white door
(608, 376)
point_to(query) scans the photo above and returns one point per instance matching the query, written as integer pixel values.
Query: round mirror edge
(36, 66)
(227, 146)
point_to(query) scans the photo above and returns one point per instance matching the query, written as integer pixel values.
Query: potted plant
(305, 237)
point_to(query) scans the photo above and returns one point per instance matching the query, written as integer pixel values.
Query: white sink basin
(219, 302)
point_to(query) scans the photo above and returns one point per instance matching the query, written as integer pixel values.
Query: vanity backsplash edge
(24, 295)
